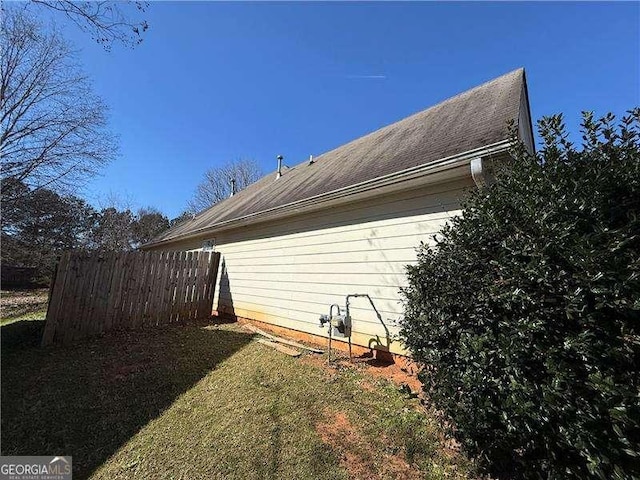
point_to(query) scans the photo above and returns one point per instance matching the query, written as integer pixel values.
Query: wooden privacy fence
(95, 293)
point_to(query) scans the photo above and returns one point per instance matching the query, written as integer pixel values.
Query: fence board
(122, 313)
(170, 288)
(58, 286)
(213, 267)
(141, 290)
(196, 288)
(93, 294)
(104, 286)
(158, 317)
(176, 285)
(157, 294)
(94, 278)
(203, 286)
(200, 283)
(114, 290)
(184, 314)
(165, 274)
(184, 271)
(192, 275)
(83, 278)
(151, 315)
(175, 308)
(72, 302)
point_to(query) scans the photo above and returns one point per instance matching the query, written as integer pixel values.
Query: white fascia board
(447, 169)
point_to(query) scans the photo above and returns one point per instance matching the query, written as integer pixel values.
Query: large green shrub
(526, 311)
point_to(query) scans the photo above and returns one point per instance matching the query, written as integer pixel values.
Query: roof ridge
(424, 110)
(466, 121)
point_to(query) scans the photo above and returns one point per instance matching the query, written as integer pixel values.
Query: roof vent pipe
(233, 186)
(311, 160)
(279, 174)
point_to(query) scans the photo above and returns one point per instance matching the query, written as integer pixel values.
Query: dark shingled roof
(470, 120)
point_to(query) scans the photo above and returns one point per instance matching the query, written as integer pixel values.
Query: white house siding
(288, 272)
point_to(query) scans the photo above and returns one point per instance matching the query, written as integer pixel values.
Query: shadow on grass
(87, 400)
(22, 334)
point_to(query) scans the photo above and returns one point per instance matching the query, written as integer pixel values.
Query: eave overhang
(444, 170)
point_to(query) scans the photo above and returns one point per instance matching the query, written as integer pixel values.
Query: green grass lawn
(27, 304)
(206, 401)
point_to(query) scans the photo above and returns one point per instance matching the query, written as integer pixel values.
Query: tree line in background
(44, 223)
(38, 224)
(54, 137)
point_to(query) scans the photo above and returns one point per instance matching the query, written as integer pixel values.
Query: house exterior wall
(288, 272)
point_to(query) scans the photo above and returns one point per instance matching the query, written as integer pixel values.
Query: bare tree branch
(216, 185)
(106, 22)
(52, 126)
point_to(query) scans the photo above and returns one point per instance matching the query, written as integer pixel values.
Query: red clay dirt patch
(399, 373)
(393, 372)
(356, 456)
(400, 370)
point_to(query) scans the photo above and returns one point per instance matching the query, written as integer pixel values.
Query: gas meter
(340, 324)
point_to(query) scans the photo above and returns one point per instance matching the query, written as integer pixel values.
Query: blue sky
(218, 81)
